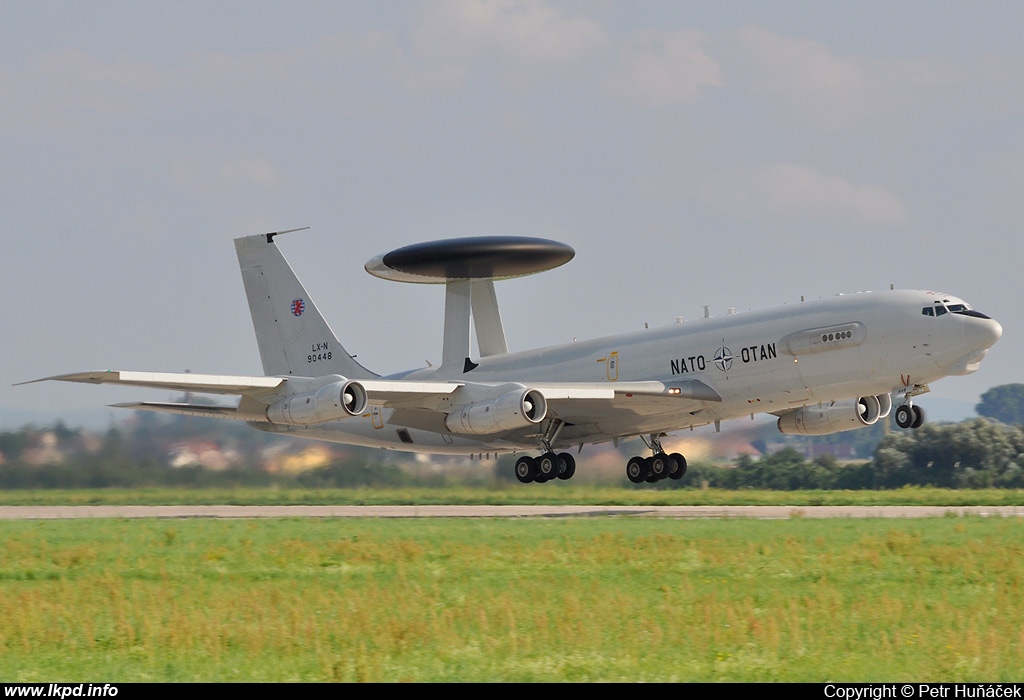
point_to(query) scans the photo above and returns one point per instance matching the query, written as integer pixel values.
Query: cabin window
(927, 311)
(940, 309)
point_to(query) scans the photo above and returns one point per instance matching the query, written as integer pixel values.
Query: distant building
(202, 453)
(284, 461)
(839, 450)
(45, 451)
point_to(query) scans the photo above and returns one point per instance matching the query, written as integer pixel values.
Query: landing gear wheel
(567, 467)
(547, 466)
(526, 469)
(918, 418)
(678, 466)
(905, 416)
(651, 476)
(637, 470)
(661, 466)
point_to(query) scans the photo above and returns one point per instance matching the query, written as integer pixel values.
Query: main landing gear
(546, 467)
(656, 467)
(549, 465)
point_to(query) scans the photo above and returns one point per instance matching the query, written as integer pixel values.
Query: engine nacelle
(333, 401)
(836, 416)
(511, 410)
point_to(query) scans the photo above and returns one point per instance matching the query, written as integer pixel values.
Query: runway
(525, 511)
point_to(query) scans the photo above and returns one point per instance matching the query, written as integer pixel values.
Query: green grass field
(546, 599)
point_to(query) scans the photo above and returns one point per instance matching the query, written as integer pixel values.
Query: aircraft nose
(982, 333)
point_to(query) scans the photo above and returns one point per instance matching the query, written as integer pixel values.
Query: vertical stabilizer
(293, 337)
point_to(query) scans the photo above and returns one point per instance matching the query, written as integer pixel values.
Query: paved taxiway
(758, 512)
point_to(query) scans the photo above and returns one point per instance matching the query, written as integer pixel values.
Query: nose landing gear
(909, 416)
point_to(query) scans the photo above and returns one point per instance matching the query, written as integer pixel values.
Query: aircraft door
(612, 366)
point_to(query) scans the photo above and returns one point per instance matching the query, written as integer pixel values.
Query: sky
(729, 154)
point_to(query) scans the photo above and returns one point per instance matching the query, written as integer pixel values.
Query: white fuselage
(768, 361)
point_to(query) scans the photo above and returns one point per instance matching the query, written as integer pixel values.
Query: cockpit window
(940, 308)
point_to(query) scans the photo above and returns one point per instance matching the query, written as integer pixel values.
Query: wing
(204, 383)
(257, 393)
(631, 408)
(588, 409)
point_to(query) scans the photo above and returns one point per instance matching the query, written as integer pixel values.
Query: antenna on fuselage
(468, 268)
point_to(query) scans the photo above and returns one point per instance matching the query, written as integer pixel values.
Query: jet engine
(509, 411)
(836, 416)
(332, 401)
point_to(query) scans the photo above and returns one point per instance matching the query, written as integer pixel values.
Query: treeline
(135, 455)
(979, 453)
(102, 471)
